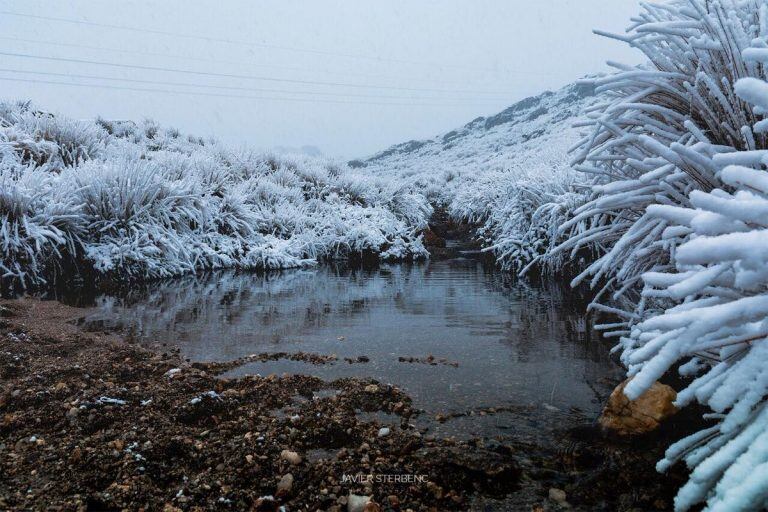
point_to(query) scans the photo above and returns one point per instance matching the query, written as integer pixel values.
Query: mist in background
(347, 77)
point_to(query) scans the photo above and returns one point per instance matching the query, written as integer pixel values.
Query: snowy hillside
(501, 142)
(509, 173)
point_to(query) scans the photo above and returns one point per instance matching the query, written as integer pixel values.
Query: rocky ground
(91, 422)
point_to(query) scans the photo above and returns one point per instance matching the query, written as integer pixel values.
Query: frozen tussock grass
(519, 211)
(679, 211)
(138, 201)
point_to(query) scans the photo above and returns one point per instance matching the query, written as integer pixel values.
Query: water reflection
(516, 343)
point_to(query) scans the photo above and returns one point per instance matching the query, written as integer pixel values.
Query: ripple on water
(517, 344)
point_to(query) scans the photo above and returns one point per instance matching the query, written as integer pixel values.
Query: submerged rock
(644, 414)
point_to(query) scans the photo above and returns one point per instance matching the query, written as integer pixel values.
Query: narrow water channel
(478, 339)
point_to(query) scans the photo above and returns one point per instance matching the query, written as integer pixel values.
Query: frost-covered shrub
(519, 210)
(73, 141)
(39, 222)
(137, 201)
(679, 210)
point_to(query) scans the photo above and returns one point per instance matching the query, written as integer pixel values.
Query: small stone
(393, 500)
(285, 485)
(557, 495)
(249, 459)
(371, 388)
(435, 489)
(384, 432)
(357, 503)
(372, 506)
(290, 456)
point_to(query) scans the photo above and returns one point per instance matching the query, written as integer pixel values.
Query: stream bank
(91, 422)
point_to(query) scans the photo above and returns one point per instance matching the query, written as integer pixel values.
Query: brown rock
(630, 417)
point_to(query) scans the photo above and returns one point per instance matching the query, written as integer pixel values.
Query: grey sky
(435, 64)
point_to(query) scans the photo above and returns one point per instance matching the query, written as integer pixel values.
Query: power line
(248, 77)
(211, 39)
(196, 93)
(59, 44)
(226, 87)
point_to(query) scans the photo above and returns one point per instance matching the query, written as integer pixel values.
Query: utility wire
(196, 93)
(234, 88)
(248, 77)
(236, 42)
(59, 44)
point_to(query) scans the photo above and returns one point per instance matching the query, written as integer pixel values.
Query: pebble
(557, 495)
(384, 431)
(285, 485)
(290, 456)
(357, 503)
(371, 388)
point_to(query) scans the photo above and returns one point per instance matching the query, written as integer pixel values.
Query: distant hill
(491, 143)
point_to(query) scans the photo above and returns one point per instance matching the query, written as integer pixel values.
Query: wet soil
(89, 421)
(446, 238)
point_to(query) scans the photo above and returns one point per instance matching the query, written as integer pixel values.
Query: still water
(515, 343)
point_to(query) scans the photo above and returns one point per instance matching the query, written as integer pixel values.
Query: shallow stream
(478, 339)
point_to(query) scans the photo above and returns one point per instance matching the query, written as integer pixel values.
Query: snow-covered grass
(679, 211)
(125, 200)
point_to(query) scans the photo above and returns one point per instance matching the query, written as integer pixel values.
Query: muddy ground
(91, 422)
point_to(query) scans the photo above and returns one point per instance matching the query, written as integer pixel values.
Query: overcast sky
(348, 76)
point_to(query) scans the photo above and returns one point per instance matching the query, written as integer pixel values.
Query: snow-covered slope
(509, 173)
(494, 143)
